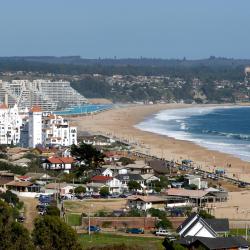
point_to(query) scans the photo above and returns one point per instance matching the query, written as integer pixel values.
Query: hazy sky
(125, 28)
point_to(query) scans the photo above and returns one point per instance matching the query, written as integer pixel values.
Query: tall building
(10, 124)
(35, 127)
(47, 94)
(56, 130)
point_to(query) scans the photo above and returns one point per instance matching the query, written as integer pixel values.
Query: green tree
(134, 185)
(13, 236)
(125, 161)
(164, 223)
(104, 191)
(51, 233)
(205, 215)
(11, 198)
(80, 190)
(53, 211)
(88, 156)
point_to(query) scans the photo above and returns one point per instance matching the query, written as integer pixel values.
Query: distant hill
(154, 62)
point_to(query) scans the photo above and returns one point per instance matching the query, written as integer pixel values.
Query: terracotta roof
(35, 109)
(24, 177)
(61, 160)
(101, 178)
(20, 183)
(3, 106)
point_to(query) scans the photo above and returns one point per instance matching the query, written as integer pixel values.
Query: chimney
(6, 101)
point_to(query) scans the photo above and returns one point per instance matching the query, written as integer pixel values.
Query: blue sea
(225, 129)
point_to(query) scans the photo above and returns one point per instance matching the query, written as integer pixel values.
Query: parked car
(135, 231)
(93, 229)
(162, 232)
(96, 196)
(123, 196)
(21, 218)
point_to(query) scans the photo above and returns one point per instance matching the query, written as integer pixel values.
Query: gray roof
(134, 177)
(160, 166)
(218, 225)
(215, 243)
(197, 219)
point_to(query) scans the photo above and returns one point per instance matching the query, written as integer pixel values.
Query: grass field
(239, 231)
(147, 243)
(73, 219)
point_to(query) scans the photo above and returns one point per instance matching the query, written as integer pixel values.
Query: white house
(112, 183)
(145, 202)
(196, 180)
(126, 178)
(107, 172)
(59, 163)
(194, 225)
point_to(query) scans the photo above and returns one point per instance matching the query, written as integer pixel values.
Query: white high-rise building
(57, 131)
(10, 123)
(35, 127)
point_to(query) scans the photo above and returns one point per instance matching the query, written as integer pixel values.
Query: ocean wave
(172, 123)
(245, 137)
(179, 114)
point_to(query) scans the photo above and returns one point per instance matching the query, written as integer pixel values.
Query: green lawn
(239, 231)
(73, 219)
(101, 239)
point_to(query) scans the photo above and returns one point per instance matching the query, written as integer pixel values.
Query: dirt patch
(93, 206)
(30, 211)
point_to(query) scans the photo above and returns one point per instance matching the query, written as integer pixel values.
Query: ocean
(225, 129)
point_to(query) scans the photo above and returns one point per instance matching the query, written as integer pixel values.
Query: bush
(53, 211)
(104, 191)
(80, 190)
(164, 223)
(205, 215)
(125, 161)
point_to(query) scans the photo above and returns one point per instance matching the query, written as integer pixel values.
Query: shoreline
(120, 122)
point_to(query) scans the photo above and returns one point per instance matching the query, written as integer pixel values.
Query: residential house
(148, 178)
(23, 186)
(194, 225)
(61, 188)
(112, 183)
(5, 178)
(161, 166)
(198, 197)
(40, 178)
(195, 180)
(59, 163)
(106, 172)
(125, 178)
(146, 202)
(219, 243)
(23, 162)
(139, 167)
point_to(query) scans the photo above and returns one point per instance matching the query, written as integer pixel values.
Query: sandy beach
(119, 122)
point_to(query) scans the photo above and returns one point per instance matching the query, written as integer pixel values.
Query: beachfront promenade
(142, 150)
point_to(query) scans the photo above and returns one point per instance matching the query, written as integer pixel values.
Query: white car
(162, 232)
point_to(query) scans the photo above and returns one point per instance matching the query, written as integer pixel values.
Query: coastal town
(108, 181)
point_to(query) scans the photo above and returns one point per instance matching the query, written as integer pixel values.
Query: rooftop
(186, 192)
(101, 178)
